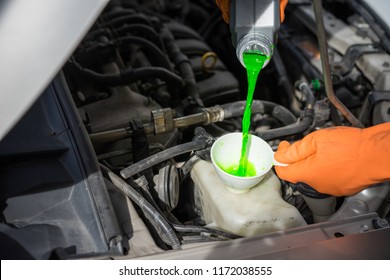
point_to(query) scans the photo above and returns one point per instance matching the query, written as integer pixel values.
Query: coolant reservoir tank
(259, 210)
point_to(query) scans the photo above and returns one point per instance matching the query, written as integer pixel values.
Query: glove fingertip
(284, 145)
(284, 173)
(280, 154)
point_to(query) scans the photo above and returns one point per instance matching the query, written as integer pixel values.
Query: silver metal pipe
(322, 43)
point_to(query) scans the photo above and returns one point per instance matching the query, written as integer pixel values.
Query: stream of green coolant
(254, 62)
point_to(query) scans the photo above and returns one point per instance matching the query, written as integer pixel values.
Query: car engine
(113, 160)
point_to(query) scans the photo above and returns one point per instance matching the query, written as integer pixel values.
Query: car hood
(36, 38)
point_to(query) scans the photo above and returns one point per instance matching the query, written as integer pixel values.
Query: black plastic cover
(52, 194)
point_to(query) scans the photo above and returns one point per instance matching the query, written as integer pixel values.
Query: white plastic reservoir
(259, 210)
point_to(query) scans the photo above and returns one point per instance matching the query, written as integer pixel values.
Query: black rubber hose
(236, 109)
(156, 72)
(147, 11)
(162, 226)
(161, 157)
(116, 11)
(180, 31)
(98, 33)
(193, 47)
(183, 64)
(151, 48)
(127, 19)
(112, 6)
(130, 75)
(143, 30)
(305, 89)
(307, 118)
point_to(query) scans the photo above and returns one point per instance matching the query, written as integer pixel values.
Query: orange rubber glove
(339, 161)
(224, 6)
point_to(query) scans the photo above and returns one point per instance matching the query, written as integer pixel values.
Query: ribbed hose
(162, 226)
(161, 157)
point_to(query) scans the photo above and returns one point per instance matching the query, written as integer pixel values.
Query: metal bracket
(353, 53)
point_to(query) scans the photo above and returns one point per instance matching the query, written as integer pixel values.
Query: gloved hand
(339, 161)
(224, 6)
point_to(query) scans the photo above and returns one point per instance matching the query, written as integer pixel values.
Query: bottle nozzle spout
(254, 26)
(254, 42)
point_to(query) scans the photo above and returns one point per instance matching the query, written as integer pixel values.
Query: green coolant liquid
(254, 62)
(234, 170)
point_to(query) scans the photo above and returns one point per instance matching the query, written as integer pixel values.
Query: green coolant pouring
(254, 62)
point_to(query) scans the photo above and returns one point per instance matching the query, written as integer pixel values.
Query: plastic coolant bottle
(259, 210)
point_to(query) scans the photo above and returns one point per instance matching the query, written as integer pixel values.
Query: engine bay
(113, 160)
